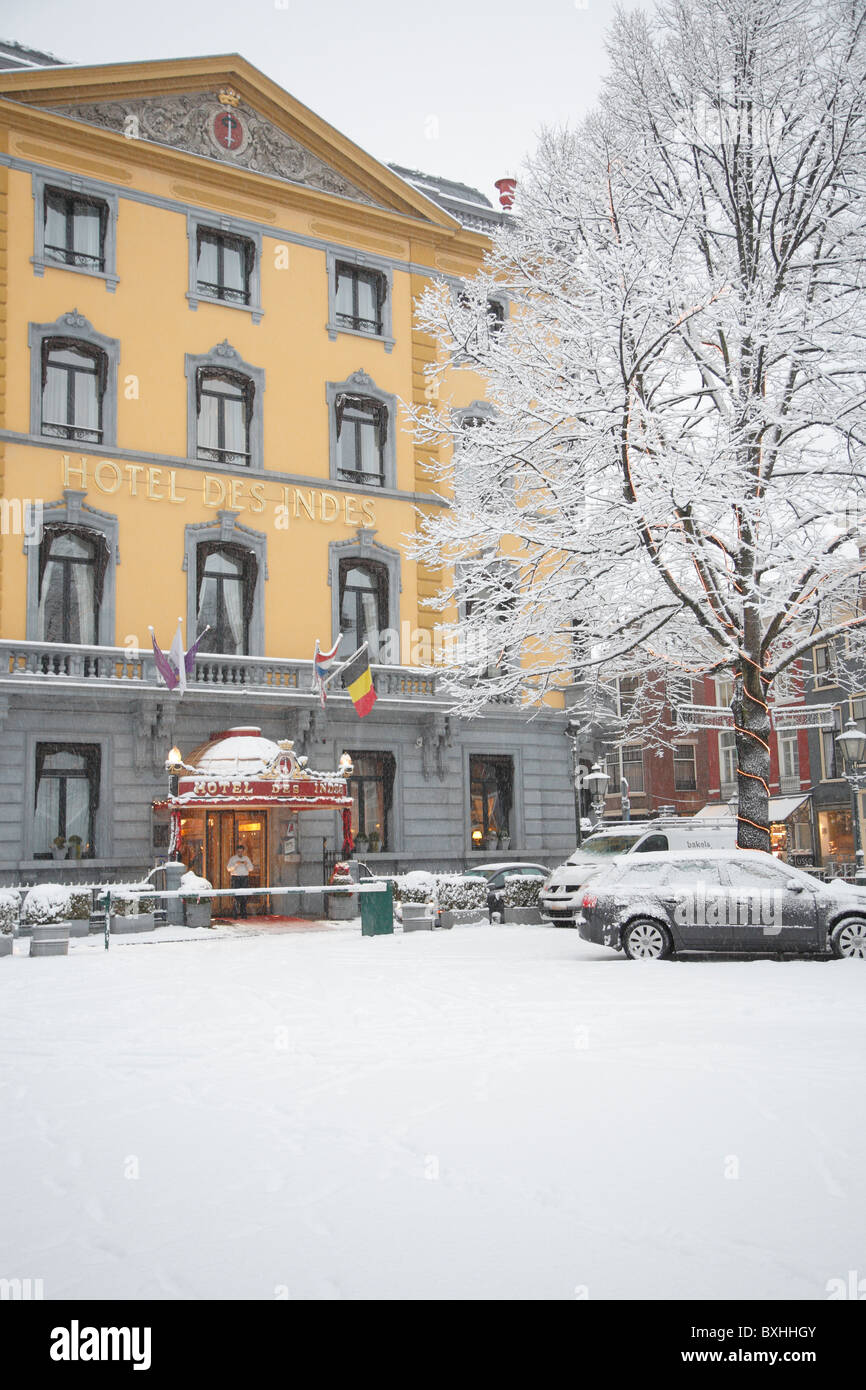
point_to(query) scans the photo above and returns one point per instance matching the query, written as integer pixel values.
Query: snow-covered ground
(481, 1113)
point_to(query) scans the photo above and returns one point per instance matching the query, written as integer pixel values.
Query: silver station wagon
(652, 906)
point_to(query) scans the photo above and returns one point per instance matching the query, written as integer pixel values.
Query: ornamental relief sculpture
(186, 122)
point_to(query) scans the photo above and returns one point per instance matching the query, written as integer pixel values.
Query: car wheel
(647, 940)
(848, 939)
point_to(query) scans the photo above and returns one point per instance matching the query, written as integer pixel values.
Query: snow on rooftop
(18, 55)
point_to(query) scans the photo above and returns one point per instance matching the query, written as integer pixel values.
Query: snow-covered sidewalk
(481, 1113)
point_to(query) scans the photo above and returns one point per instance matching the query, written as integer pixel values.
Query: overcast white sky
(458, 88)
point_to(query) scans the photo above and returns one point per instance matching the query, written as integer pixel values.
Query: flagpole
(364, 647)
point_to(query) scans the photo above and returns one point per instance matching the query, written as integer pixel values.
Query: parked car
(654, 905)
(496, 875)
(560, 897)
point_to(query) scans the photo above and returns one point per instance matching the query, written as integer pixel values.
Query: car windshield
(607, 844)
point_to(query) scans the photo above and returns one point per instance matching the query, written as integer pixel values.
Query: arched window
(362, 432)
(73, 389)
(224, 408)
(72, 565)
(225, 585)
(363, 605)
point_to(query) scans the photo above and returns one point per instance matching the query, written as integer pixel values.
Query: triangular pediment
(221, 109)
(228, 129)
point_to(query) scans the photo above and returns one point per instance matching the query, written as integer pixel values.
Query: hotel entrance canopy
(239, 768)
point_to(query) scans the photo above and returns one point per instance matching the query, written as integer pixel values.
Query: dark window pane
(361, 428)
(226, 594)
(359, 296)
(68, 588)
(75, 229)
(224, 266)
(224, 412)
(71, 391)
(491, 789)
(363, 605)
(371, 789)
(67, 795)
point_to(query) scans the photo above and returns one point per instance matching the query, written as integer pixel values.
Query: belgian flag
(359, 682)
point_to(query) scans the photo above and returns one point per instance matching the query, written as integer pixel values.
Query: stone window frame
(221, 357)
(508, 568)
(74, 183)
(74, 326)
(226, 529)
(487, 412)
(495, 564)
(363, 262)
(103, 820)
(360, 383)
(244, 231)
(74, 511)
(364, 548)
(457, 287)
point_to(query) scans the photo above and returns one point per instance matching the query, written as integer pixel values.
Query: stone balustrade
(63, 663)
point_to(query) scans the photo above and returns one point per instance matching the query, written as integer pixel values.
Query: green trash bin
(377, 912)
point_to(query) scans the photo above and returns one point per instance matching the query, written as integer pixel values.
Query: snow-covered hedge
(9, 908)
(47, 903)
(521, 891)
(458, 894)
(125, 904)
(418, 886)
(450, 892)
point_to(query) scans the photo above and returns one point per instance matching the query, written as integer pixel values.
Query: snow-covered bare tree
(672, 480)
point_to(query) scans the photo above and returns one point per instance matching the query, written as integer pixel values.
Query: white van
(559, 897)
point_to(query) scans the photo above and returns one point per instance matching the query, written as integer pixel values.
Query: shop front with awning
(242, 792)
(791, 836)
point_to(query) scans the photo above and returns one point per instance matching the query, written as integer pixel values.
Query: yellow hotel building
(207, 333)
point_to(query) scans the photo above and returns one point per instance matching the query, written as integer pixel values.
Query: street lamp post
(852, 746)
(597, 781)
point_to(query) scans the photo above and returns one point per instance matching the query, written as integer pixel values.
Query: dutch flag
(321, 662)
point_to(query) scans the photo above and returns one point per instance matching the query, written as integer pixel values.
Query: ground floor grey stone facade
(133, 731)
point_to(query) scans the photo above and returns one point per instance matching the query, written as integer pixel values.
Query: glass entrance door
(227, 831)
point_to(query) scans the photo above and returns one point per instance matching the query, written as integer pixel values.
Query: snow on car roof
(505, 864)
(664, 855)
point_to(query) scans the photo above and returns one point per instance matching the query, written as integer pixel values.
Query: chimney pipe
(506, 191)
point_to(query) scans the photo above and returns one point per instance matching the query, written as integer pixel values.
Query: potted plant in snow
(373, 842)
(461, 899)
(196, 910)
(341, 906)
(520, 896)
(126, 914)
(9, 907)
(58, 847)
(75, 846)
